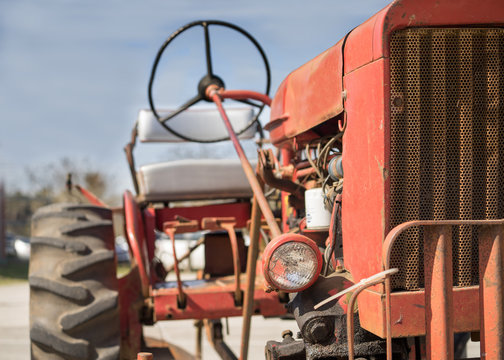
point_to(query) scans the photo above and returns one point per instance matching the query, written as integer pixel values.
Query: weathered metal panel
(408, 312)
(365, 172)
(308, 96)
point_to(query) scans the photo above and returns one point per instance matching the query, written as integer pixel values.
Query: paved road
(14, 319)
(15, 344)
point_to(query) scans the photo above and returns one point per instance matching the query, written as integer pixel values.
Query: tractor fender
(134, 229)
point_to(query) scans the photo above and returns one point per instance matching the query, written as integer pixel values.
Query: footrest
(211, 299)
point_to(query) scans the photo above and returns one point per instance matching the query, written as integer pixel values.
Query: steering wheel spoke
(187, 105)
(208, 53)
(251, 103)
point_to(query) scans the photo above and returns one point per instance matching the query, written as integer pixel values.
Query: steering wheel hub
(205, 82)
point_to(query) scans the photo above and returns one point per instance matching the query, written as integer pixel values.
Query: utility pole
(3, 257)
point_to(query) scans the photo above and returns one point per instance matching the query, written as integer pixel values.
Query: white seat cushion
(193, 179)
(195, 123)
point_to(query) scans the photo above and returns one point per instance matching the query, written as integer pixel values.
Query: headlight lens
(291, 263)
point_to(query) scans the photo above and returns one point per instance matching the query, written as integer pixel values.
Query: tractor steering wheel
(208, 79)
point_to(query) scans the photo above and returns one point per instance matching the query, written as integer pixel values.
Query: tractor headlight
(291, 263)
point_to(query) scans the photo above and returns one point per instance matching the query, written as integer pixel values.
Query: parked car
(121, 249)
(17, 246)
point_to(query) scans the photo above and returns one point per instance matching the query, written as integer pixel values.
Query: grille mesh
(446, 141)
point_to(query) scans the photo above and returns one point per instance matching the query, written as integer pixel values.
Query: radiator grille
(446, 141)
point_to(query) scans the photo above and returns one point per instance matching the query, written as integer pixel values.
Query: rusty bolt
(320, 331)
(286, 333)
(144, 356)
(398, 101)
(317, 330)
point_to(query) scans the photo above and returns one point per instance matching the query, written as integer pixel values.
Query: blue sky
(73, 74)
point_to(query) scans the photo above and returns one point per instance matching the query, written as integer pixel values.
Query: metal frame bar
(350, 315)
(214, 93)
(228, 224)
(253, 252)
(439, 287)
(181, 297)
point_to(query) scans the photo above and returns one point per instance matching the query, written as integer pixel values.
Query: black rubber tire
(74, 311)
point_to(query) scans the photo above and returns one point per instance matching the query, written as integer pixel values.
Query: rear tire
(74, 311)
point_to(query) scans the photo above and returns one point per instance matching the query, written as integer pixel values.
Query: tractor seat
(192, 179)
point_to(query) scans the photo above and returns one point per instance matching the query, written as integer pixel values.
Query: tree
(48, 184)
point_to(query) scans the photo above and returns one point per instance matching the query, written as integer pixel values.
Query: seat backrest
(198, 123)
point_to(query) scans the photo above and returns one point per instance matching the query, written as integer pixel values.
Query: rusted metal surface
(212, 93)
(350, 315)
(294, 113)
(491, 259)
(145, 356)
(366, 148)
(228, 224)
(364, 197)
(128, 149)
(438, 292)
(211, 299)
(308, 96)
(408, 311)
(442, 343)
(252, 255)
(240, 211)
(439, 163)
(136, 241)
(181, 227)
(265, 170)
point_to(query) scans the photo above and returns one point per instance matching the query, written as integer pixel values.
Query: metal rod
(208, 55)
(350, 315)
(199, 332)
(253, 252)
(438, 274)
(244, 94)
(388, 317)
(491, 293)
(181, 295)
(247, 168)
(229, 227)
(187, 254)
(216, 339)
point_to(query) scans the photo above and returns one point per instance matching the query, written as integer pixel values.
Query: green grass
(13, 271)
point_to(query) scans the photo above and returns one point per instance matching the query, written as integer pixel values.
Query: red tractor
(401, 260)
